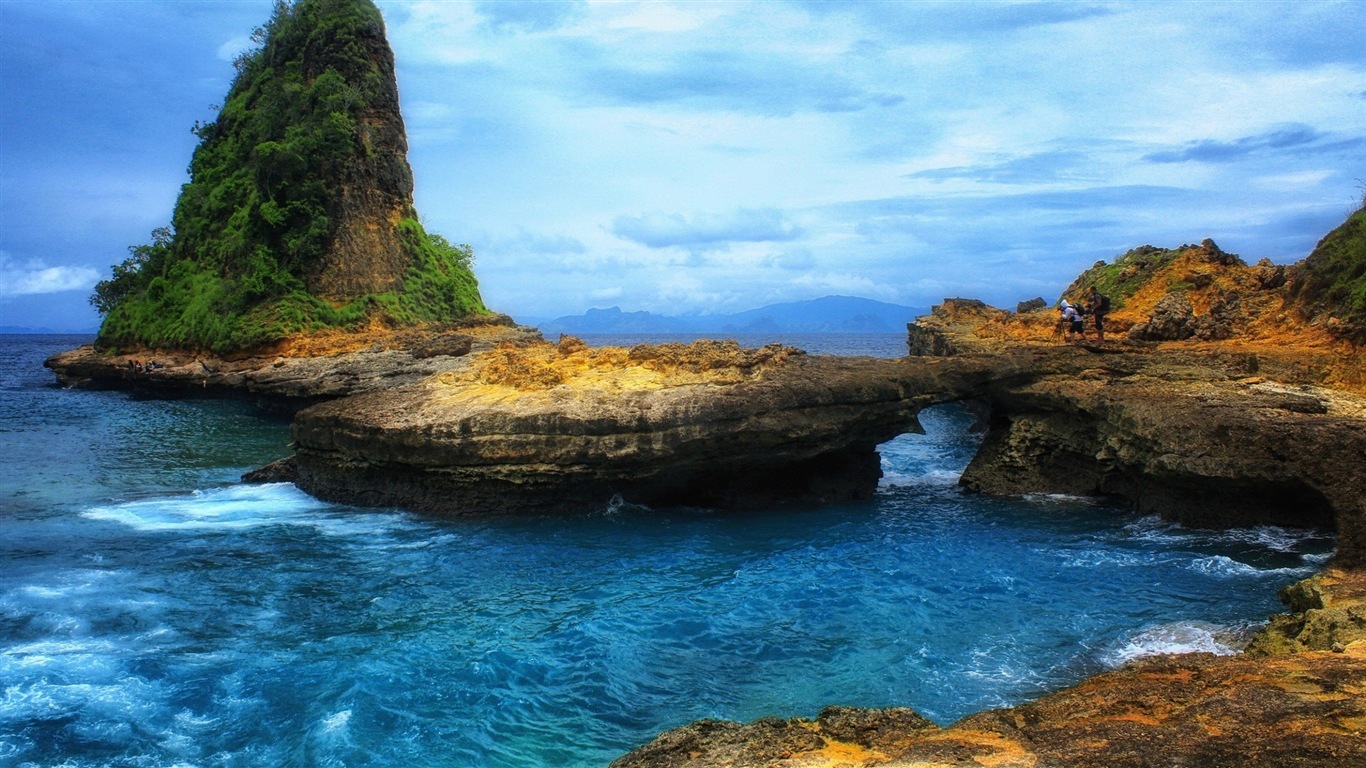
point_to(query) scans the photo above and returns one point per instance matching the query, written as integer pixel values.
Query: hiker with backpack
(1100, 306)
(1071, 321)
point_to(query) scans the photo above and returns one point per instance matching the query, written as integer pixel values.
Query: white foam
(932, 477)
(1060, 498)
(1227, 567)
(1153, 528)
(1094, 558)
(242, 507)
(232, 507)
(1271, 537)
(122, 699)
(72, 583)
(1179, 637)
(337, 722)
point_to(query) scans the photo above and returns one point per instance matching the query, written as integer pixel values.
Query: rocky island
(1225, 394)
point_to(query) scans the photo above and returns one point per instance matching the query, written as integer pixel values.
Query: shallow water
(154, 612)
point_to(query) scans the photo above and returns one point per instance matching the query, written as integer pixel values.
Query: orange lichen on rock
(378, 335)
(1227, 299)
(541, 366)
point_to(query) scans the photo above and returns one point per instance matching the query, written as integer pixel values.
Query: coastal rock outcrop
(1328, 613)
(291, 377)
(298, 214)
(1196, 439)
(566, 428)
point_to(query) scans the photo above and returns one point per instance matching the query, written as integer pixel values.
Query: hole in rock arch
(937, 457)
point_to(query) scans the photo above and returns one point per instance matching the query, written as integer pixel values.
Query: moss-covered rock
(299, 211)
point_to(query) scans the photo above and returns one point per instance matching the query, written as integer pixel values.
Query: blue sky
(696, 157)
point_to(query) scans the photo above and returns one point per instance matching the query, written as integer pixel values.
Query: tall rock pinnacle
(299, 210)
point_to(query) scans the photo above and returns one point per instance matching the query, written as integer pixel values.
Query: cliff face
(299, 210)
(374, 187)
(1202, 439)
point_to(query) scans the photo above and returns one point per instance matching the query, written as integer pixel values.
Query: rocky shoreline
(288, 378)
(1216, 435)
(1285, 710)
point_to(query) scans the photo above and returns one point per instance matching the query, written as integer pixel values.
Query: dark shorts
(1078, 326)
(1100, 322)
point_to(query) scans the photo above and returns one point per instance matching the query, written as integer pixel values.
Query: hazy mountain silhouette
(829, 314)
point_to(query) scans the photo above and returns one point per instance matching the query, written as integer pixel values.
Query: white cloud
(233, 48)
(35, 277)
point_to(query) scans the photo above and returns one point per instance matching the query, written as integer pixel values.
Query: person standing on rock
(1072, 320)
(1100, 305)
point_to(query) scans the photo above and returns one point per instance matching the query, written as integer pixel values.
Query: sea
(155, 611)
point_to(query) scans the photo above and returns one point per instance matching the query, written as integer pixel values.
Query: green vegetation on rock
(1133, 271)
(1332, 280)
(298, 214)
(1125, 276)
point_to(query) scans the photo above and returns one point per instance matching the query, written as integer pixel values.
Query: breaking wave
(1180, 637)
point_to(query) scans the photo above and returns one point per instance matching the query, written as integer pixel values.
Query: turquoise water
(154, 612)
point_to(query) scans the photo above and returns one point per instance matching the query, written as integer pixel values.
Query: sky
(708, 157)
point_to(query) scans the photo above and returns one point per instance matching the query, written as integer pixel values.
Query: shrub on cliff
(1330, 285)
(298, 214)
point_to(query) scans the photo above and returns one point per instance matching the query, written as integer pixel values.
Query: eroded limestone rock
(565, 428)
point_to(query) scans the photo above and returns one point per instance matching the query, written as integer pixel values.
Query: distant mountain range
(830, 314)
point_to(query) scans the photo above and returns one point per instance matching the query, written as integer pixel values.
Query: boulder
(447, 345)
(281, 471)
(1269, 276)
(1173, 319)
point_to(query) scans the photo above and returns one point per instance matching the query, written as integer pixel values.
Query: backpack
(1102, 303)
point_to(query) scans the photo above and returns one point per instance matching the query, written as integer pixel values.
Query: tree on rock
(299, 211)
